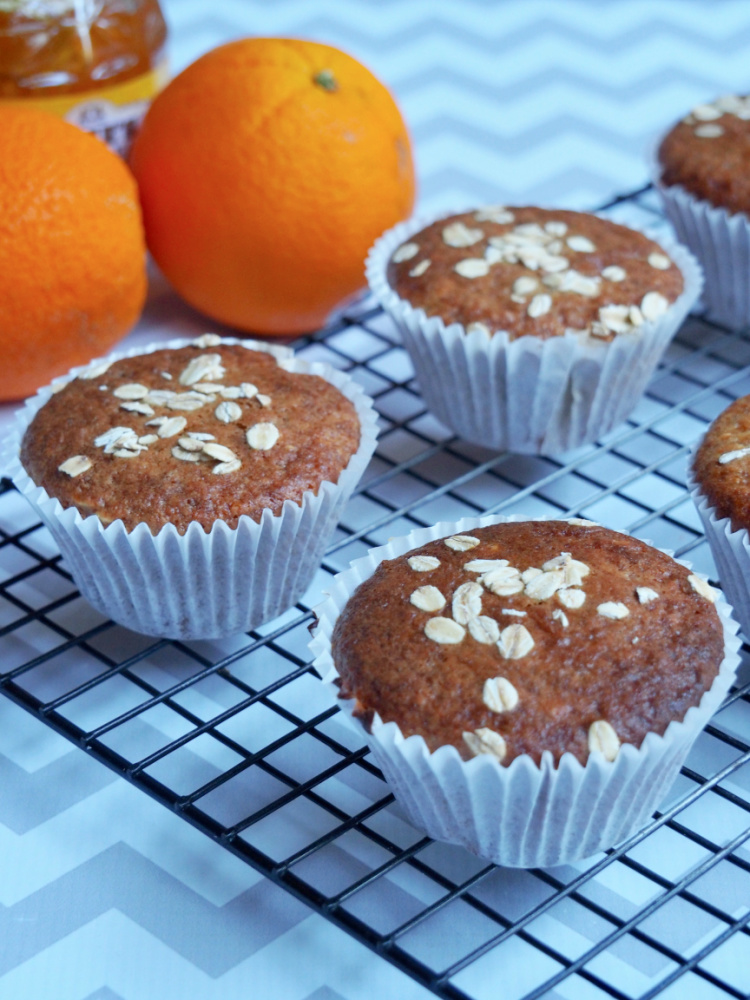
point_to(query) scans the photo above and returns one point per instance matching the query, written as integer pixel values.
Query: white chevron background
(105, 895)
(538, 100)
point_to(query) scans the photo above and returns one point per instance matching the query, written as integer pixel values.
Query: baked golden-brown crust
(708, 152)
(537, 272)
(605, 645)
(206, 433)
(722, 464)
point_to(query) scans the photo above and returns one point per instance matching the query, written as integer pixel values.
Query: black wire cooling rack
(241, 739)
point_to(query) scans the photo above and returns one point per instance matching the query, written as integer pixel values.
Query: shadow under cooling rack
(241, 739)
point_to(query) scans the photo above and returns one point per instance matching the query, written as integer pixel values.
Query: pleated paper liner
(524, 814)
(200, 585)
(730, 549)
(528, 395)
(721, 242)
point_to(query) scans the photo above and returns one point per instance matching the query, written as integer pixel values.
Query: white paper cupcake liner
(200, 585)
(528, 395)
(521, 815)
(730, 549)
(721, 242)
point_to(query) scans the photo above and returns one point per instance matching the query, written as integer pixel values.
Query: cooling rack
(241, 740)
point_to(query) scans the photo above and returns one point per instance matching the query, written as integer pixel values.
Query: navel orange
(72, 251)
(266, 170)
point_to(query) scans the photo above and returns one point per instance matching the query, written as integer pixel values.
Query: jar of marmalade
(96, 63)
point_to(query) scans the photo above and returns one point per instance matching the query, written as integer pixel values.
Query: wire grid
(242, 740)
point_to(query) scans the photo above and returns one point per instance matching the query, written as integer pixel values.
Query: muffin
(192, 488)
(702, 178)
(719, 481)
(532, 329)
(529, 688)
(707, 153)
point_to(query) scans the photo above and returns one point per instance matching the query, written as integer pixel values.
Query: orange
(72, 252)
(266, 170)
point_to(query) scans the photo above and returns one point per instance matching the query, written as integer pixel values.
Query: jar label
(113, 113)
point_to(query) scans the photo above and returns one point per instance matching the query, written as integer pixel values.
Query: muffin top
(201, 433)
(722, 464)
(523, 637)
(707, 153)
(535, 272)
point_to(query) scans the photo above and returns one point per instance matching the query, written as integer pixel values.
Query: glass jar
(96, 63)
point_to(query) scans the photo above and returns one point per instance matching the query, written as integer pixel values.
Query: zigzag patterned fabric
(524, 101)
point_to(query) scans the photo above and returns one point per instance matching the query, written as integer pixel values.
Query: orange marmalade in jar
(96, 63)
